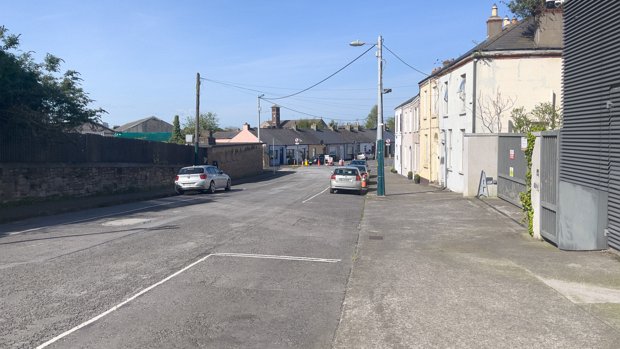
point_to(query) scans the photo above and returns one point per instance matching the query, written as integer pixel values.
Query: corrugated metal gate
(549, 185)
(613, 205)
(512, 168)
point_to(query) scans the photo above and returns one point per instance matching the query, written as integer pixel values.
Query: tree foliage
(208, 122)
(333, 124)
(525, 8)
(544, 116)
(390, 123)
(177, 136)
(371, 119)
(307, 123)
(36, 97)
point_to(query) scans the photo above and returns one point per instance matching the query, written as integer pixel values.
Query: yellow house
(429, 131)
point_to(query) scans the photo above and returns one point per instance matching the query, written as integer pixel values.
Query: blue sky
(140, 58)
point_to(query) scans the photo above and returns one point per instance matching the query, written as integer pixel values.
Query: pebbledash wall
(88, 165)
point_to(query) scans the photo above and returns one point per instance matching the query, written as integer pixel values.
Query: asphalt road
(262, 266)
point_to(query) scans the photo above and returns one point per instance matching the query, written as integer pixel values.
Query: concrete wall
(480, 154)
(40, 181)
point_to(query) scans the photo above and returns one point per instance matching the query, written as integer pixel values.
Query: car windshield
(345, 172)
(361, 167)
(358, 162)
(191, 170)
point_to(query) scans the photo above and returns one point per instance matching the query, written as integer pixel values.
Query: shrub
(416, 178)
(409, 175)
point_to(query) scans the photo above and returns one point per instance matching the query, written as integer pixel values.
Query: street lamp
(258, 128)
(380, 92)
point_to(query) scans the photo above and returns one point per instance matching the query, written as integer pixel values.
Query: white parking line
(64, 334)
(241, 255)
(303, 202)
(269, 256)
(102, 216)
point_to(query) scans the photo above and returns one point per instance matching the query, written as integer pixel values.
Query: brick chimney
(494, 23)
(246, 126)
(275, 116)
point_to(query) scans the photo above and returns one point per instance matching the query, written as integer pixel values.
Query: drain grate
(375, 237)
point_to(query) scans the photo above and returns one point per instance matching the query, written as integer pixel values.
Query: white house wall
(524, 82)
(455, 120)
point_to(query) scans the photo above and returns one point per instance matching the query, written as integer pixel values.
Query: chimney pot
(506, 22)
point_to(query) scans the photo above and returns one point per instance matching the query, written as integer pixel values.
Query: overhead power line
(405, 63)
(320, 82)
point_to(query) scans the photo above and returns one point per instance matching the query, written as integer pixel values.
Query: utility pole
(380, 152)
(197, 128)
(258, 127)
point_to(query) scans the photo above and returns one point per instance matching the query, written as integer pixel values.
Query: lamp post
(258, 127)
(380, 91)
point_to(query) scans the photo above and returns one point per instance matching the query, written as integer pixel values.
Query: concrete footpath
(434, 269)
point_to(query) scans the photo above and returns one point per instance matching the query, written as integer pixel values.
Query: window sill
(463, 114)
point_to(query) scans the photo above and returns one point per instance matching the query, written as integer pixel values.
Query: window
(462, 94)
(416, 119)
(427, 150)
(445, 98)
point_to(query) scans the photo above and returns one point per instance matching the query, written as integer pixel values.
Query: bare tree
(491, 110)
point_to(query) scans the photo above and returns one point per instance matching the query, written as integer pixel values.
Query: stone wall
(23, 182)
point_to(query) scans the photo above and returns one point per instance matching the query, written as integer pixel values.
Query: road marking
(64, 334)
(268, 256)
(102, 216)
(303, 202)
(241, 255)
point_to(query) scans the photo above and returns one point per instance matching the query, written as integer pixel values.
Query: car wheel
(179, 191)
(227, 186)
(331, 191)
(211, 189)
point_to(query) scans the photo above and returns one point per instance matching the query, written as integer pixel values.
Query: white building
(518, 65)
(407, 138)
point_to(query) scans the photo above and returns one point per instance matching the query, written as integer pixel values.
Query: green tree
(333, 124)
(36, 97)
(307, 123)
(390, 123)
(525, 8)
(208, 122)
(371, 119)
(177, 136)
(544, 116)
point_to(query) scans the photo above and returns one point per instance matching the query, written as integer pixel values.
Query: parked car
(203, 178)
(360, 162)
(361, 156)
(364, 170)
(346, 178)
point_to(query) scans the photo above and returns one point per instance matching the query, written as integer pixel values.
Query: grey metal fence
(512, 167)
(549, 157)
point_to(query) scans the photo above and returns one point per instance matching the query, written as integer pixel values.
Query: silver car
(346, 178)
(203, 178)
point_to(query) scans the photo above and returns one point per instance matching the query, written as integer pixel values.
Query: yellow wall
(429, 131)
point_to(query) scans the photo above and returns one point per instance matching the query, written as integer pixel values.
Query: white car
(203, 178)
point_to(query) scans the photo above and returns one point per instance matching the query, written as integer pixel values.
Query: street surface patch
(125, 221)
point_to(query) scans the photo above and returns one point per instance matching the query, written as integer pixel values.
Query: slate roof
(516, 37)
(225, 134)
(283, 136)
(129, 125)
